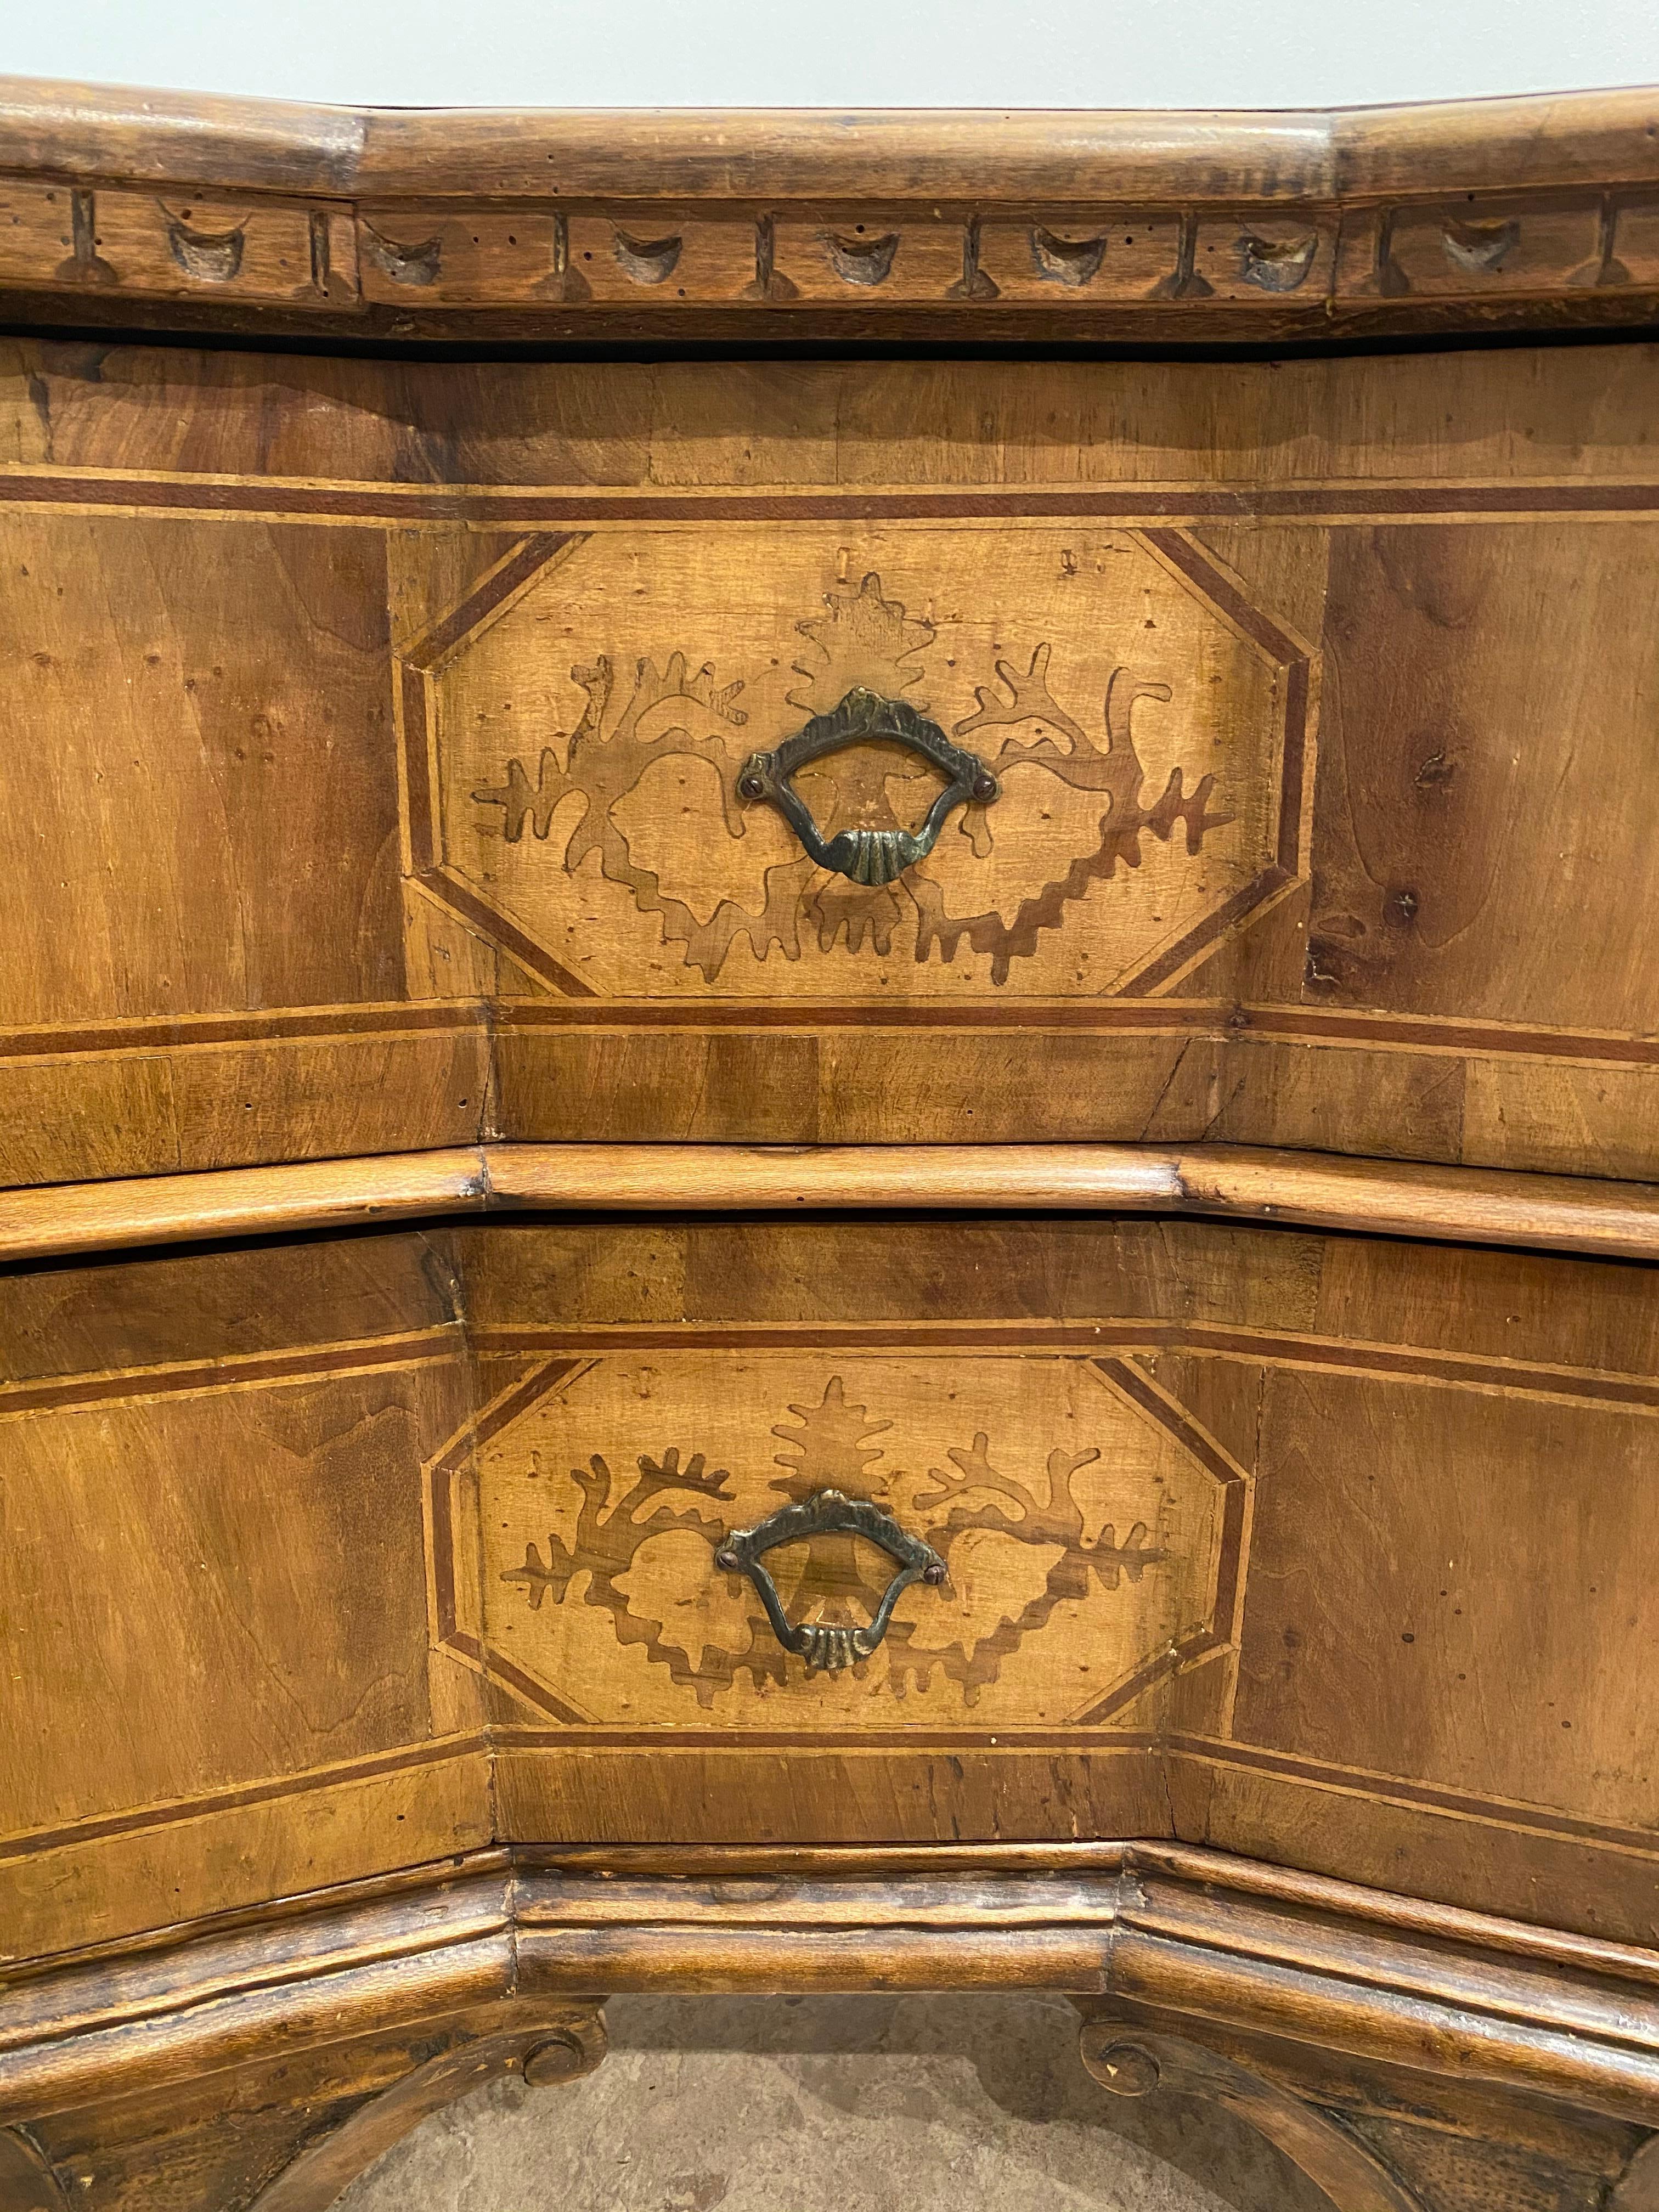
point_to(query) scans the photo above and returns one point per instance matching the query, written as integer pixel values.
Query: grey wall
(997, 53)
(832, 2104)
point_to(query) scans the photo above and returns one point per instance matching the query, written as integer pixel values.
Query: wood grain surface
(462, 1158)
(1324, 1549)
(392, 817)
(1477, 1205)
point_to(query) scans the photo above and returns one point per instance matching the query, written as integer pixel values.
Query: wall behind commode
(830, 53)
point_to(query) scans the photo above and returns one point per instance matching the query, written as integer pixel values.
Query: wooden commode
(830, 1115)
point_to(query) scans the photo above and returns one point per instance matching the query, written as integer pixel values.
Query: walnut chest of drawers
(829, 1113)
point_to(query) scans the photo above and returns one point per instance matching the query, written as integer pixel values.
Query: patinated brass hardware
(868, 856)
(829, 1513)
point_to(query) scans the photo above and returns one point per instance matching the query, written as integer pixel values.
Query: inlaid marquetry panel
(591, 704)
(1091, 1537)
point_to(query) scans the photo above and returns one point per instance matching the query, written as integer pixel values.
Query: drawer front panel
(328, 1557)
(385, 732)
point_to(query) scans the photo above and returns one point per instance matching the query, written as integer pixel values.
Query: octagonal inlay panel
(576, 727)
(1091, 1535)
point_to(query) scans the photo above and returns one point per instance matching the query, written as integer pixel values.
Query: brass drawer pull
(828, 1512)
(868, 856)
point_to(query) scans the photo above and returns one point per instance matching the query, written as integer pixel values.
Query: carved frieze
(395, 262)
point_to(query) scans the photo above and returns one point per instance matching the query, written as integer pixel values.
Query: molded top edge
(978, 155)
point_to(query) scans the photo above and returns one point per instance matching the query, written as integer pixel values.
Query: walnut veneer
(616, 926)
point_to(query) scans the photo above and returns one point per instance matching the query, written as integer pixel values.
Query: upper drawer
(380, 741)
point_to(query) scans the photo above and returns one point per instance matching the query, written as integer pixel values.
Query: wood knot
(1401, 908)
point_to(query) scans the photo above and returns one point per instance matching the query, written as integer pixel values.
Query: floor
(930, 2104)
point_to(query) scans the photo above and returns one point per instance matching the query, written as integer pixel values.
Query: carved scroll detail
(1131, 2063)
(571, 2043)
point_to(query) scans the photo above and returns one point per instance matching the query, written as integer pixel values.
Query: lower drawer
(357, 1551)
